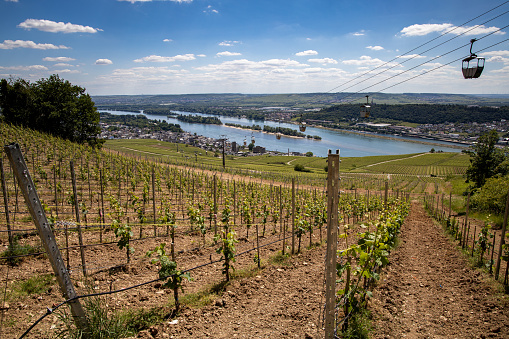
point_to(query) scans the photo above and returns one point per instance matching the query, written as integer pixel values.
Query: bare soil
(430, 291)
(427, 291)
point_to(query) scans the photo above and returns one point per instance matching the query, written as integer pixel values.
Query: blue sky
(257, 46)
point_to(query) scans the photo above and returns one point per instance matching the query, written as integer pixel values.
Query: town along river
(350, 144)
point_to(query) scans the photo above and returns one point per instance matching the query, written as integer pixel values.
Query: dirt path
(384, 162)
(429, 291)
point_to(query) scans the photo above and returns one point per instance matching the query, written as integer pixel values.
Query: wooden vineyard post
(282, 229)
(215, 206)
(103, 221)
(234, 203)
(78, 221)
(502, 238)
(43, 227)
(55, 188)
(385, 195)
(154, 199)
(450, 205)
(332, 244)
(293, 215)
(464, 239)
(6, 202)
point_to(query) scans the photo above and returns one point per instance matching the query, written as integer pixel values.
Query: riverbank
(387, 137)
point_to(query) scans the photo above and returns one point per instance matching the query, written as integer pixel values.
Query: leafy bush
(492, 196)
(300, 168)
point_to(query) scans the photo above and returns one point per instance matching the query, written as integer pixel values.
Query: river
(349, 144)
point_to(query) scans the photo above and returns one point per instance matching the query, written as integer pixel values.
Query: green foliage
(415, 113)
(228, 241)
(492, 196)
(15, 249)
(485, 159)
(300, 168)
(140, 121)
(362, 261)
(483, 243)
(309, 154)
(168, 271)
(53, 106)
(284, 131)
(102, 324)
(34, 285)
(197, 119)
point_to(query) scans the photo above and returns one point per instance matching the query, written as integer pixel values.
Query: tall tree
(485, 158)
(51, 105)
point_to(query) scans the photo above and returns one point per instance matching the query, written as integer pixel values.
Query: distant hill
(297, 100)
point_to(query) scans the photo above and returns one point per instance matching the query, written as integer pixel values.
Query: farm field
(409, 172)
(119, 207)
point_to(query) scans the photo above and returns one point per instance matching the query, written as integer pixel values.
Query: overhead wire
(423, 73)
(414, 49)
(415, 56)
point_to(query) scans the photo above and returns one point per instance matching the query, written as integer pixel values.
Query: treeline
(197, 119)
(252, 127)
(284, 131)
(420, 114)
(53, 106)
(140, 121)
(251, 114)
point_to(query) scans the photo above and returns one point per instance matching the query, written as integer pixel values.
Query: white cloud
(211, 10)
(58, 59)
(228, 43)
(201, 55)
(323, 61)
(11, 44)
(364, 61)
(103, 62)
(167, 40)
(25, 68)
(425, 29)
(244, 64)
(62, 64)
(496, 53)
(306, 53)
(226, 53)
(11, 0)
(498, 58)
(68, 71)
(157, 58)
(360, 33)
(56, 27)
(411, 56)
(375, 48)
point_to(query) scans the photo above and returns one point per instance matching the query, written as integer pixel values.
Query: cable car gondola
(473, 65)
(302, 126)
(366, 108)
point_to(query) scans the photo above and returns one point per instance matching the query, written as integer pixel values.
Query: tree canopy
(51, 105)
(486, 160)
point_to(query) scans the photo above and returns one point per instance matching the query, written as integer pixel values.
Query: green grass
(35, 285)
(436, 163)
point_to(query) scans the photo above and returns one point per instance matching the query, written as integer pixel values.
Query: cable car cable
(405, 71)
(457, 36)
(438, 37)
(431, 70)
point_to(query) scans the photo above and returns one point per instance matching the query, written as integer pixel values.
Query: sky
(131, 47)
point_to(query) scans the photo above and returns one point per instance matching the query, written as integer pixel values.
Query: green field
(423, 164)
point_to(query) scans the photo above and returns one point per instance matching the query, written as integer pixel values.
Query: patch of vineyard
(126, 206)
